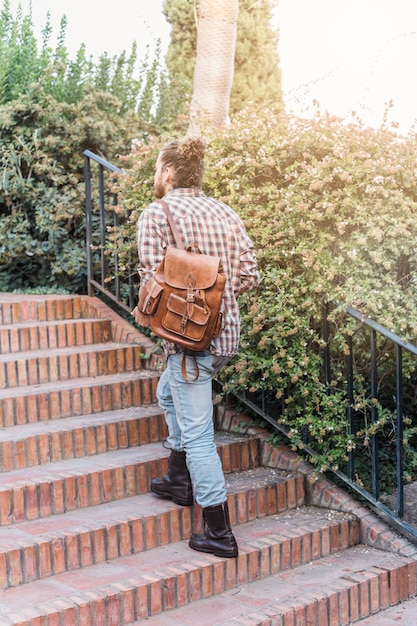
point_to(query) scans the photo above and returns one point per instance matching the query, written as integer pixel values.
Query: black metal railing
(395, 344)
(103, 269)
(265, 405)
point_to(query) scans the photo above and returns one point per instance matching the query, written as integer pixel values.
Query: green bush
(332, 210)
(52, 108)
(42, 197)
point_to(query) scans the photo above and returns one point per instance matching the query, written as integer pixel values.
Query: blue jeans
(188, 406)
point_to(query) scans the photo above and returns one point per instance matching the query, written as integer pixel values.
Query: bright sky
(351, 55)
(346, 54)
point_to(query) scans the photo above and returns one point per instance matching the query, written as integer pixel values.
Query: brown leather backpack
(184, 297)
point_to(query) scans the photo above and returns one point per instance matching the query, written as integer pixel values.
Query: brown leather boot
(176, 484)
(217, 537)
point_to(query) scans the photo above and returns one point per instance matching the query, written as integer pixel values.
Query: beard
(159, 190)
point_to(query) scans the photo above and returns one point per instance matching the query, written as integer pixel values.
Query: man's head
(180, 164)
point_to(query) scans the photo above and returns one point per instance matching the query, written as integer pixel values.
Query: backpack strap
(184, 365)
(174, 227)
(179, 243)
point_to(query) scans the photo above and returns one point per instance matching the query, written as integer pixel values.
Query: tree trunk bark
(213, 73)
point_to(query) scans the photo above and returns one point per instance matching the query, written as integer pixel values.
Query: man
(194, 464)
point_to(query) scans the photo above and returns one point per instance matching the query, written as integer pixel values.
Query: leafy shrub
(53, 107)
(332, 209)
(42, 198)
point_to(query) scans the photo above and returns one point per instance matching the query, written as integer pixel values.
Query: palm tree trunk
(213, 73)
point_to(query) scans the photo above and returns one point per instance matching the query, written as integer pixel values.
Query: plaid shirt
(217, 230)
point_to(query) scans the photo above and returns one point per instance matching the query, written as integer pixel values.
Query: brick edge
(122, 330)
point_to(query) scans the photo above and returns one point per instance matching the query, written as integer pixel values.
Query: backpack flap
(181, 264)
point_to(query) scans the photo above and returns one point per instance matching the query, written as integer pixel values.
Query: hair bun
(191, 148)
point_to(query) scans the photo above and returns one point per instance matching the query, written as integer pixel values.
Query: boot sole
(230, 555)
(168, 496)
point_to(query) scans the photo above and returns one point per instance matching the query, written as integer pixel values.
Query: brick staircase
(84, 543)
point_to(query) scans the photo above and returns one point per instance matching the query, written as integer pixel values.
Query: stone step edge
(69, 548)
(81, 396)
(58, 322)
(17, 308)
(346, 600)
(321, 491)
(57, 351)
(143, 596)
(81, 381)
(50, 441)
(63, 364)
(34, 336)
(60, 487)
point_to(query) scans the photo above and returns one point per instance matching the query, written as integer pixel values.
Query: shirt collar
(185, 192)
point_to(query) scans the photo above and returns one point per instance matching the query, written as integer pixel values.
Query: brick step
(81, 361)
(288, 554)
(402, 614)
(57, 334)
(80, 396)
(15, 309)
(38, 549)
(339, 589)
(55, 488)
(38, 443)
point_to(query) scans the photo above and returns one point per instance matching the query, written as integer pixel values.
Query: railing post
(102, 226)
(400, 433)
(349, 409)
(326, 355)
(374, 416)
(88, 218)
(116, 256)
